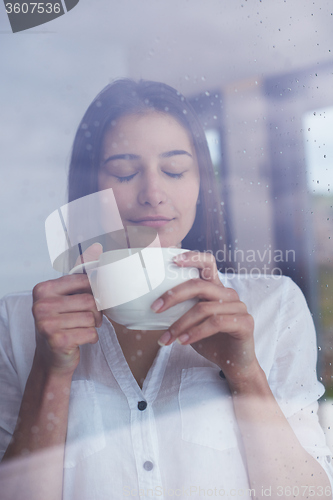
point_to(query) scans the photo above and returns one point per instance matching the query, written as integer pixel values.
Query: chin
(169, 244)
(167, 241)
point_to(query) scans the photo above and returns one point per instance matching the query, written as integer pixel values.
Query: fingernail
(157, 305)
(164, 339)
(182, 338)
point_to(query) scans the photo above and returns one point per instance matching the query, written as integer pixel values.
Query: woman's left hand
(218, 327)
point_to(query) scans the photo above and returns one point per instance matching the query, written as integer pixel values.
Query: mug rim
(79, 268)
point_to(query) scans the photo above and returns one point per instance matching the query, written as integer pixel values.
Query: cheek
(188, 198)
(124, 198)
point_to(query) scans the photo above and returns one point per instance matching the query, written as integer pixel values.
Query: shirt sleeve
(293, 377)
(11, 394)
(307, 428)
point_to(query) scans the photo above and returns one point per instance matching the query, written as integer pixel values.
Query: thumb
(92, 253)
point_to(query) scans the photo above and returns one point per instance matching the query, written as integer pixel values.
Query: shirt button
(148, 465)
(142, 405)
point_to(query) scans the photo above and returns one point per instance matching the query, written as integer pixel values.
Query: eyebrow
(168, 154)
(175, 152)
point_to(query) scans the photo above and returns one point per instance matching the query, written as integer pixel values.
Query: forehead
(154, 130)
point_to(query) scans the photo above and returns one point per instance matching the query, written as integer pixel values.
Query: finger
(195, 288)
(203, 261)
(65, 341)
(237, 325)
(65, 304)
(66, 285)
(53, 324)
(55, 306)
(92, 253)
(202, 311)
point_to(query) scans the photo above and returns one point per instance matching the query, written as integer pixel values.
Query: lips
(152, 221)
(152, 218)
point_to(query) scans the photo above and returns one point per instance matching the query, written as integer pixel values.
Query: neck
(139, 347)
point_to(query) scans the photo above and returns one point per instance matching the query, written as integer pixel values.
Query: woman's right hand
(66, 317)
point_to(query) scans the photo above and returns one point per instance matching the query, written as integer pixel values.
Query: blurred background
(259, 73)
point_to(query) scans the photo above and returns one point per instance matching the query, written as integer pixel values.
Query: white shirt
(185, 442)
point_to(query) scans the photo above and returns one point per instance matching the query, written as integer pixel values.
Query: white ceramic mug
(126, 282)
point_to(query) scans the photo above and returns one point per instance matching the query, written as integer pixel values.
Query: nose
(152, 191)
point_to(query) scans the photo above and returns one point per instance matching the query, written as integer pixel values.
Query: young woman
(222, 404)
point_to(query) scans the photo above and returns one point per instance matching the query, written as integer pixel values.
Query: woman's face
(150, 163)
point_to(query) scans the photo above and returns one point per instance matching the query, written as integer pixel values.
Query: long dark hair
(125, 97)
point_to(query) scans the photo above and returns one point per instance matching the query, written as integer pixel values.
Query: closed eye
(125, 179)
(175, 176)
